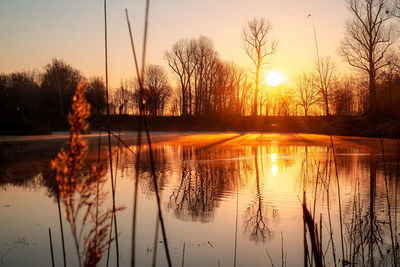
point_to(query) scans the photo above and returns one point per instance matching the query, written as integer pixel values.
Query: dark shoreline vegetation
(38, 103)
(361, 126)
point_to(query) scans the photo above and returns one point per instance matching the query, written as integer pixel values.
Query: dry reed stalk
(339, 199)
(113, 218)
(359, 227)
(305, 246)
(97, 188)
(138, 145)
(315, 197)
(155, 243)
(121, 141)
(153, 172)
(320, 238)
(325, 181)
(236, 215)
(183, 254)
(61, 223)
(315, 191)
(388, 205)
(109, 136)
(269, 257)
(313, 233)
(79, 192)
(282, 253)
(51, 248)
(327, 184)
(396, 191)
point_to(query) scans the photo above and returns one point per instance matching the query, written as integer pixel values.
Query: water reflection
(200, 177)
(256, 221)
(201, 183)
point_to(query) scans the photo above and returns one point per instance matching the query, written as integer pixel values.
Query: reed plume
(82, 193)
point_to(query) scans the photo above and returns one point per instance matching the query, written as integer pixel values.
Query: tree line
(209, 85)
(47, 96)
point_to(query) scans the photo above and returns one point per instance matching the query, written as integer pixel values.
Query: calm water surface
(217, 190)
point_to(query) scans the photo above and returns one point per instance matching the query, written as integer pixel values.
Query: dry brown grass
(82, 192)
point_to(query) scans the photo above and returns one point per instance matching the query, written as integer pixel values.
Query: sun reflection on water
(274, 170)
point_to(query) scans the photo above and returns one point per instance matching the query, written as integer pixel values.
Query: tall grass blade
(112, 218)
(138, 146)
(237, 215)
(183, 254)
(394, 253)
(60, 222)
(313, 233)
(155, 243)
(109, 129)
(51, 248)
(153, 172)
(339, 201)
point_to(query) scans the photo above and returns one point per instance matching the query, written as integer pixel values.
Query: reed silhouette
(82, 193)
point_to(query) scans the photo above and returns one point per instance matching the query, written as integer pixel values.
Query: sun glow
(274, 78)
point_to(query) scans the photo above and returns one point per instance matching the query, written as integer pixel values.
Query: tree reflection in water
(201, 184)
(255, 221)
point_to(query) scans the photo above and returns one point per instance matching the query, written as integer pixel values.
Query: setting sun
(274, 78)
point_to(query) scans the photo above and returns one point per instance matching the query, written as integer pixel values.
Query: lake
(227, 199)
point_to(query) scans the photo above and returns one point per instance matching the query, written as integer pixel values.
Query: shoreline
(360, 126)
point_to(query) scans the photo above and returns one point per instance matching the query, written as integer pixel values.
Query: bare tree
(95, 94)
(258, 45)
(307, 90)
(343, 99)
(367, 40)
(325, 74)
(59, 81)
(243, 92)
(389, 75)
(157, 90)
(206, 62)
(180, 59)
(208, 84)
(121, 99)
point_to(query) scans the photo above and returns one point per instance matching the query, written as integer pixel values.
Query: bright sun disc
(274, 78)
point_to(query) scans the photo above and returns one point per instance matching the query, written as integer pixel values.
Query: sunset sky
(33, 32)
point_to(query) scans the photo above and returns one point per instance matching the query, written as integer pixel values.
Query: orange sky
(33, 32)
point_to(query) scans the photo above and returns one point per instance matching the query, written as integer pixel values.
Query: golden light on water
(274, 170)
(274, 78)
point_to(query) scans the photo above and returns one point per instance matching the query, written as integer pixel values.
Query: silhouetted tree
(96, 96)
(206, 64)
(367, 40)
(180, 59)
(4, 93)
(258, 45)
(156, 91)
(208, 85)
(389, 83)
(343, 99)
(59, 83)
(122, 98)
(325, 75)
(20, 95)
(307, 91)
